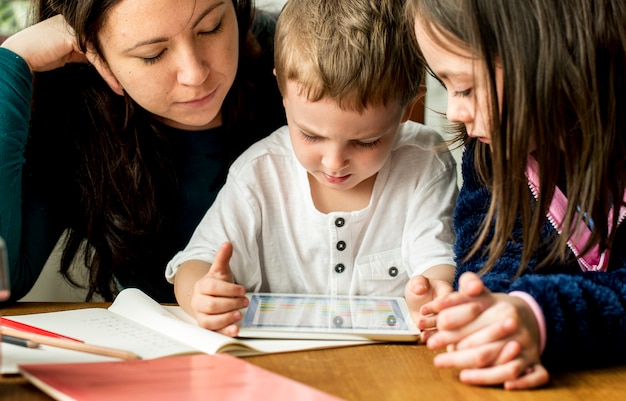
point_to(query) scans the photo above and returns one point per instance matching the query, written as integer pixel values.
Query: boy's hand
(419, 291)
(216, 300)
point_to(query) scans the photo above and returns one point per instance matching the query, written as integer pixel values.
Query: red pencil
(32, 329)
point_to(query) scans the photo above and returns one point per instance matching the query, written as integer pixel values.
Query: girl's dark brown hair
(117, 191)
(564, 99)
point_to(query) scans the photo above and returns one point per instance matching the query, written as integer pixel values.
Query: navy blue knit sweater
(585, 312)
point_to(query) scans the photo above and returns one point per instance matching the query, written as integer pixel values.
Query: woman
(138, 107)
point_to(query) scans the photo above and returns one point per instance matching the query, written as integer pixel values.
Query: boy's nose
(334, 161)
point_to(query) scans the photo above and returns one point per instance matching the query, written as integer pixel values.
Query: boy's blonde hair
(355, 52)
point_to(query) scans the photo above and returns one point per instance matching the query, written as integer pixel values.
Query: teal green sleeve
(15, 95)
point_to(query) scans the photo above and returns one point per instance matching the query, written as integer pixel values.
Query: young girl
(539, 92)
(125, 153)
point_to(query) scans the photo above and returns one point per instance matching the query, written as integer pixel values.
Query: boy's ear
(409, 109)
(103, 69)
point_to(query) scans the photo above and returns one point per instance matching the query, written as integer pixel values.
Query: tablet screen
(326, 313)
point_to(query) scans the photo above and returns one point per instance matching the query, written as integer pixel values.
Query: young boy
(350, 197)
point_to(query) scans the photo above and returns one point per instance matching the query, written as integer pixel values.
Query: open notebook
(137, 323)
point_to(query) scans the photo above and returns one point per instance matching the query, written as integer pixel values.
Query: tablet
(326, 317)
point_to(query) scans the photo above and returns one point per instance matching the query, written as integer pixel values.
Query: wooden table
(378, 372)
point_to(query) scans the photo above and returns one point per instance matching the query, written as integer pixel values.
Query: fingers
(425, 335)
(230, 331)
(218, 311)
(477, 357)
(459, 316)
(427, 322)
(471, 289)
(444, 302)
(441, 288)
(418, 285)
(485, 337)
(220, 269)
(471, 285)
(416, 293)
(216, 299)
(535, 376)
(494, 375)
(493, 332)
(419, 292)
(453, 325)
(495, 363)
(511, 350)
(513, 375)
(225, 323)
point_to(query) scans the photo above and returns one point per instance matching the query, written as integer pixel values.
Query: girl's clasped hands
(492, 338)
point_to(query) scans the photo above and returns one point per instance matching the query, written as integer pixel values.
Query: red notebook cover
(193, 377)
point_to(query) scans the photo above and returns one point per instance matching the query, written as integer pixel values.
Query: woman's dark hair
(118, 188)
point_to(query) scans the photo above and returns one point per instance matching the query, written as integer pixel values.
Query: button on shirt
(282, 243)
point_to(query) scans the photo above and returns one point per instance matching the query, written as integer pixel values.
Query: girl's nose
(458, 111)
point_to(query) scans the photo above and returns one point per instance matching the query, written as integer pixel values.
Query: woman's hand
(46, 45)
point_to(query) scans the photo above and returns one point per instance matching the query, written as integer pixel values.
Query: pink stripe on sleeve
(541, 321)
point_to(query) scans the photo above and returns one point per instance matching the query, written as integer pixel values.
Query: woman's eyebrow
(206, 12)
(163, 39)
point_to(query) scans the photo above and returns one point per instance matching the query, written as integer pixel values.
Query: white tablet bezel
(286, 330)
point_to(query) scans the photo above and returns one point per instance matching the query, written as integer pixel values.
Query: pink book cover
(192, 377)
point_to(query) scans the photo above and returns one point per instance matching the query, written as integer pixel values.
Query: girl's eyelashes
(464, 93)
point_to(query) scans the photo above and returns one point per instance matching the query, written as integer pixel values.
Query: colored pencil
(69, 344)
(19, 341)
(32, 329)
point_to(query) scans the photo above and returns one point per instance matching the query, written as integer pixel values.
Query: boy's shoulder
(417, 134)
(419, 145)
(277, 145)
